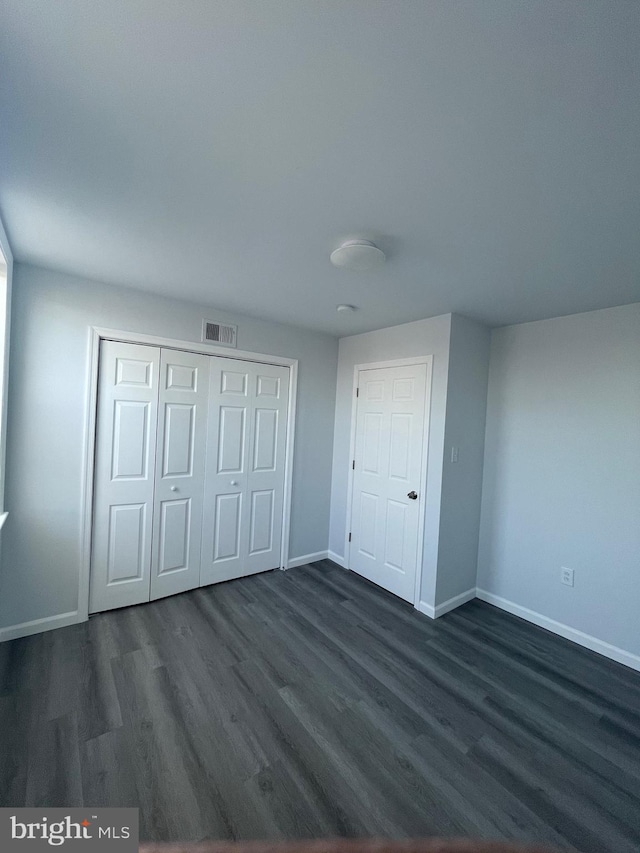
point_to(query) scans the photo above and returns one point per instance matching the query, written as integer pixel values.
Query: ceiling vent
(219, 333)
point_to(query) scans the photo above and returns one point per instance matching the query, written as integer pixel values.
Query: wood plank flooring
(310, 703)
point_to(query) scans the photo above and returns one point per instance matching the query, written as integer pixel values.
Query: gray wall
(562, 471)
(423, 337)
(462, 480)
(47, 403)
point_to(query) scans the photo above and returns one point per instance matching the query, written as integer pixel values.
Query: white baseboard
(456, 601)
(427, 609)
(307, 558)
(446, 606)
(336, 558)
(579, 637)
(37, 626)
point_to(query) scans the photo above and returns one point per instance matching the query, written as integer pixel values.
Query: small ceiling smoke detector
(360, 255)
(345, 308)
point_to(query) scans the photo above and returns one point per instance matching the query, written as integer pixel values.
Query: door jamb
(374, 365)
(96, 334)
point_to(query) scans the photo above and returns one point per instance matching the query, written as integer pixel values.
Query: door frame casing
(427, 360)
(97, 334)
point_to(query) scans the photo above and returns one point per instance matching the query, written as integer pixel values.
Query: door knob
(412, 495)
(174, 488)
(234, 482)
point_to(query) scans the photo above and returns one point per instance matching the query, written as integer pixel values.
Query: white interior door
(389, 450)
(124, 475)
(180, 466)
(244, 484)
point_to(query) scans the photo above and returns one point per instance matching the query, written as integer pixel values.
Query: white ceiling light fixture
(345, 309)
(359, 255)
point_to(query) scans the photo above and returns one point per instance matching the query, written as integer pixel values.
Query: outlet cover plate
(566, 576)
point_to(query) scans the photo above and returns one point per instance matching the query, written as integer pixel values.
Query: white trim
(336, 558)
(589, 642)
(427, 609)
(307, 558)
(3, 518)
(37, 626)
(455, 601)
(376, 365)
(288, 462)
(426, 432)
(394, 362)
(352, 453)
(190, 346)
(5, 250)
(89, 443)
(96, 334)
(5, 247)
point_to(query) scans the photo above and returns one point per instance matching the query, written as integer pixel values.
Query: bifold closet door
(189, 472)
(180, 467)
(244, 483)
(124, 475)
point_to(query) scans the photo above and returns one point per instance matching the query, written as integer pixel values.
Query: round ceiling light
(360, 255)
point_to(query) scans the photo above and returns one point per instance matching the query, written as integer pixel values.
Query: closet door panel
(226, 539)
(265, 440)
(261, 522)
(226, 474)
(244, 484)
(124, 475)
(179, 440)
(265, 478)
(231, 439)
(180, 462)
(130, 452)
(127, 539)
(174, 536)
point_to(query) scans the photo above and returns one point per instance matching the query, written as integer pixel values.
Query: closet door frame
(96, 334)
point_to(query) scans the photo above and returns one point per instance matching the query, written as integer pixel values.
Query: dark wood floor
(311, 703)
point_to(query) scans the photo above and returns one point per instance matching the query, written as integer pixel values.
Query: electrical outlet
(454, 454)
(566, 576)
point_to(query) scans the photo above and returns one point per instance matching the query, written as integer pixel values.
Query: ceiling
(218, 151)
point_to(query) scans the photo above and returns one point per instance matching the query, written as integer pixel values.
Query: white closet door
(124, 475)
(244, 484)
(180, 465)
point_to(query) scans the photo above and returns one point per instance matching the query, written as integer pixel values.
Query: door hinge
(349, 537)
(357, 392)
(353, 465)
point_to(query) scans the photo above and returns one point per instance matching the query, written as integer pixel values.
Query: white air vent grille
(219, 333)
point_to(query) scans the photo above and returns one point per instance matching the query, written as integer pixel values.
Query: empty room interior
(320, 428)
